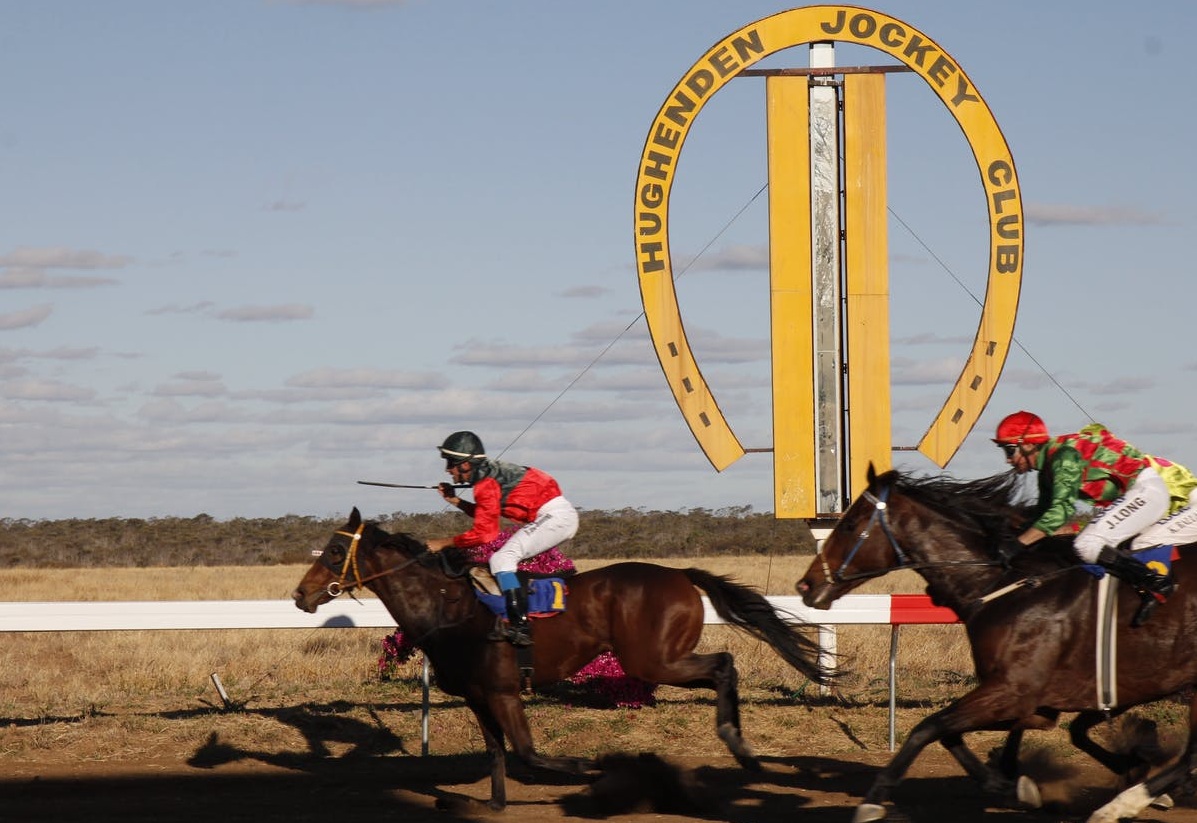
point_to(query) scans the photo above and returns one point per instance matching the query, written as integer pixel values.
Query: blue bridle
(880, 508)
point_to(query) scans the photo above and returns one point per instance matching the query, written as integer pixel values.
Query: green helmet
(462, 447)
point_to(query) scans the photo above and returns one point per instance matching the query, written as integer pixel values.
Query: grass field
(129, 695)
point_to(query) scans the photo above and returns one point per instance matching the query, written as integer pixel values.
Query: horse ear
(355, 518)
(871, 474)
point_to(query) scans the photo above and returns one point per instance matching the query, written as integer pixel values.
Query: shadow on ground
(375, 776)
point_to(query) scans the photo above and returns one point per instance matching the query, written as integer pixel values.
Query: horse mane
(992, 506)
(412, 546)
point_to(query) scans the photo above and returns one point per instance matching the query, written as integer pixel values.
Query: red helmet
(1021, 427)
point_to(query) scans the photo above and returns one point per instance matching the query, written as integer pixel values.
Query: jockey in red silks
(521, 493)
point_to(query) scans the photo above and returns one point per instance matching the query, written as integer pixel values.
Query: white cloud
(266, 314)
(27, 268)
(191, 388)
(907, 372)
(1044, 214)
(26, 318)
(710, 347)
(35, 279)
(60, 258)
(733, 258)
(51, 390)
(930, 338)
(171, 411)
(584, 291)
(190, 308)
(330, 378)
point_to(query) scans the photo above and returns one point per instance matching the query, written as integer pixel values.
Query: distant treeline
(205, 541)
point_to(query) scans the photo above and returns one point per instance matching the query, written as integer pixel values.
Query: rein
(345, 585)
(880, 516)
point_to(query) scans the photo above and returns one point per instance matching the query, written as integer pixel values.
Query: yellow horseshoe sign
(658, 167)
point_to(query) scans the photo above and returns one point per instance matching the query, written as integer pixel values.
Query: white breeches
(556, 522)
(1174, 530)
(1141, 513)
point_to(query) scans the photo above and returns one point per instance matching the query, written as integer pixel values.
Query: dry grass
(128, 695)
(96, 668)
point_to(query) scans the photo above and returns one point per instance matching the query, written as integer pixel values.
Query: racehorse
(649, 616)
(1031, 620)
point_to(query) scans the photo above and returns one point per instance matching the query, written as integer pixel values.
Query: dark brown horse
(649, 616)
(1031, 621)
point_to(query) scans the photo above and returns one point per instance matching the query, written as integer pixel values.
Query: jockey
(521, 493)
(1149, 499)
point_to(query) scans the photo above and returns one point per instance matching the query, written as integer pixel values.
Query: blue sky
(252, 252)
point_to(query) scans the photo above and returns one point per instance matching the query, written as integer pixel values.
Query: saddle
(546, 598)
(547, 595)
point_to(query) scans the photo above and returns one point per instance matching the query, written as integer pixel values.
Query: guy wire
(678, 276)
(981, 303)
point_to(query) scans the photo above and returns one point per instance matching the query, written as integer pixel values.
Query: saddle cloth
(546, 595)
(1158, 559)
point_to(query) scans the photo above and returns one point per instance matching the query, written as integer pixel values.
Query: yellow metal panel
(690, 390)
(995, 331)
(866, 241)
(945, 77)
(788, 107)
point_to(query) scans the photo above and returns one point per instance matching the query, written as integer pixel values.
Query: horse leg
(727, 711)
(508, 711)
(1026, 790)
(986, 707)
(1078, 733)
(1138, 797)
(1133, 767)
(492, 734)
(1008, 758)
(703, 671)
(1005, 780)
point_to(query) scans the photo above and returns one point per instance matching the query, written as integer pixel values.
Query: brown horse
(649, 616)
(1031, 622)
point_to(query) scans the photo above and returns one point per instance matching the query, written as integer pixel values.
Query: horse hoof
(1028, 793)
(1163, 802)
(461, 805)
(868, 812)
(748, 763)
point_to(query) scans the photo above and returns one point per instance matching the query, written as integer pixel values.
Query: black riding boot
(516, 629)
(1153, 587)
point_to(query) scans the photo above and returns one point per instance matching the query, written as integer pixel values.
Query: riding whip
(408, 486)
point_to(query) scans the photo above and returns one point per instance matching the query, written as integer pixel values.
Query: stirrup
(504, 630)
(518, 634)
(1147, 607)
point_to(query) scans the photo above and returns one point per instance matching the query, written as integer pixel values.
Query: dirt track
(223, 784)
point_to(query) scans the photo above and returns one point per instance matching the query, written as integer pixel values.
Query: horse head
(356, 555)
(950, 531)
(860, 547)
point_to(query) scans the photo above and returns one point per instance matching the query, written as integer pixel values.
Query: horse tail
(749, 610)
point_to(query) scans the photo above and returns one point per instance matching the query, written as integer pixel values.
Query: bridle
(350, 575)
(879, 516)
(338, 587)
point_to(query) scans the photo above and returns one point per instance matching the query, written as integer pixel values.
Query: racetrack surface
(221, 783)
